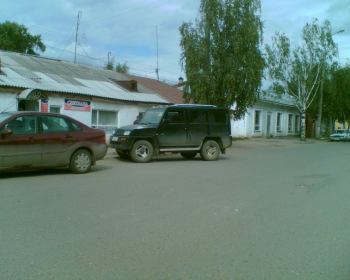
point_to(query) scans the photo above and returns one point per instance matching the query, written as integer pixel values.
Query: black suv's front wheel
(142, 151)
(210, 150)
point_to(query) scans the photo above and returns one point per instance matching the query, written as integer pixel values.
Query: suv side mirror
(6, 132)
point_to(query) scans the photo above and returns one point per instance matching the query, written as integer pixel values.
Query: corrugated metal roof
(32, 72)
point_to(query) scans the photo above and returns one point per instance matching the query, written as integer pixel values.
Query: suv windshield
(152, 116)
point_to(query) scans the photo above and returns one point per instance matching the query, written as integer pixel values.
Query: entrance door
(28, 105)
(268, 125)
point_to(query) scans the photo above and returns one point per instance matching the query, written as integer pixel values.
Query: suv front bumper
(120, 142)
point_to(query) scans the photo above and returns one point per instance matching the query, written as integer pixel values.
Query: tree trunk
(303, 126)
(320, 111)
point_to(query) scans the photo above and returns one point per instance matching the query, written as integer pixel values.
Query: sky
(127, 29)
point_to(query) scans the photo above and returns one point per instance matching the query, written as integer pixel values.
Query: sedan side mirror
(6, 132)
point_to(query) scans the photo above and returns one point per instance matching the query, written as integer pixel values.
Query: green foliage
(298, 71)
(221, 54)
(16, 37)
(337, 95)
(122, 68)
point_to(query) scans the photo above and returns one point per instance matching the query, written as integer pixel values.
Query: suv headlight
(127, 133)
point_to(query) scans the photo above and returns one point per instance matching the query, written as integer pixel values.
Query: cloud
(127, 28)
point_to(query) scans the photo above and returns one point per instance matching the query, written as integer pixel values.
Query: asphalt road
(269, 209)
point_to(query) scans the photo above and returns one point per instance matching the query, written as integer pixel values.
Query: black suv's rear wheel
(142, 151)
(189, 155)
(210, 150)
(81, 161)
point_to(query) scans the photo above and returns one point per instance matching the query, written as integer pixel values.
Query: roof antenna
(76, 37)
(157, 69)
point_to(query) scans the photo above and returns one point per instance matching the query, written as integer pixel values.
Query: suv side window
(24, 125)
(175, 117)
(197, 117)
(53, 124)
(216, 116)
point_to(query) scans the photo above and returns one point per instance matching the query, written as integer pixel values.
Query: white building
(96, 97)
(271, 116)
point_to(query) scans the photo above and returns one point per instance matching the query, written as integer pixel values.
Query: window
(176, 117)
(106, 120)
(152, 116)
(24, 125)
(279, 122)
(290, 123)
(217, 116)
(257, 118)
(55, 109)
(197, 116)
(54, 124)
(297, 124)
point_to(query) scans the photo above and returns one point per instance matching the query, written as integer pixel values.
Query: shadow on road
(45, 172)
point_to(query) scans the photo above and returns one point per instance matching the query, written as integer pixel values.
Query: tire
(81, 161)
(210, 150)
(142, 151)
(123, 155)
(188, 155)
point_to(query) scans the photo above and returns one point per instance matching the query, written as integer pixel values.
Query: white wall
(245, 126)
(127, 113)
(8, 102)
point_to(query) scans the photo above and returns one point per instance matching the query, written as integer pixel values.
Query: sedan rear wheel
(142, 151)
(81, 161)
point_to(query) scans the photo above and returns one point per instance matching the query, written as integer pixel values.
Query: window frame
(279, 122)
(290, 123)
(104, 127)
(37, 127)
(175, 110)
(67, 121)
(257, 129)
(56, 107)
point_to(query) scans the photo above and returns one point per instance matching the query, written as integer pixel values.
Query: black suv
(185, 129)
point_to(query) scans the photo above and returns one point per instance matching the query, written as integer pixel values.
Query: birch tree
(221, 54)
(297, 71)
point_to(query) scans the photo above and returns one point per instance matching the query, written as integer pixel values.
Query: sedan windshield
(152, 116)
(4, 116)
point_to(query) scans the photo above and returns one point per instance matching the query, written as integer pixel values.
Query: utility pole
(109, 57)
(157, 69)
(76, 37)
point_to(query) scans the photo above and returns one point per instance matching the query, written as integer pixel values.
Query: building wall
(126, 113)
(8, 101)
(245, 127)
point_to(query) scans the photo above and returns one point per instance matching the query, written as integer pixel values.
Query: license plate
(115, 139)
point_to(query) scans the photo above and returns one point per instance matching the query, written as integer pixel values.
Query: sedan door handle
(69, 137)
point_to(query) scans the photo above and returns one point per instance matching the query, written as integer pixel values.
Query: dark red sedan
(40, 140)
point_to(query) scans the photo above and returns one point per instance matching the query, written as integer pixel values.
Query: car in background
(340, 135)
(186, 129)
(31, 140)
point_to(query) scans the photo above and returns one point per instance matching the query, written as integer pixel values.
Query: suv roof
(196, 106)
